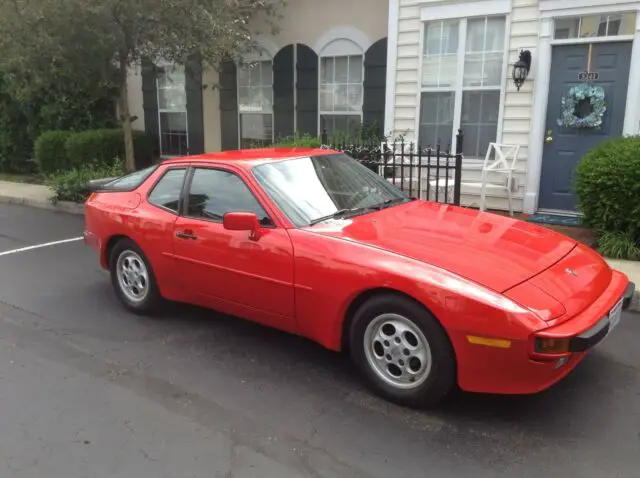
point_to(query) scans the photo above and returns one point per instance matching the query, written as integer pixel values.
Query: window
(477, 48)
(341, 94)
(594, 26)
(215, 192)
(166, 193)
(172, 111)
(307, 189)
(255, 104)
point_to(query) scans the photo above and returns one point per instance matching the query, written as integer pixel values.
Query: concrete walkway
(40, 196)
(35, 195)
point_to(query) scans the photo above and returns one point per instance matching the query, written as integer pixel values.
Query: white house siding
(522, 28)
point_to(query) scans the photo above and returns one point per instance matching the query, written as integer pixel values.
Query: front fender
(332, 273)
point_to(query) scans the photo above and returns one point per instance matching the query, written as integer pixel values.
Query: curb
(62, 206)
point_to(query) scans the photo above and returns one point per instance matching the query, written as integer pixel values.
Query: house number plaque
(588, 75)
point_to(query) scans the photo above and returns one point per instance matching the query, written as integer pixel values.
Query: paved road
(87, 389)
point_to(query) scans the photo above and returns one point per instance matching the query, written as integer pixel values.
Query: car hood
(496, 251)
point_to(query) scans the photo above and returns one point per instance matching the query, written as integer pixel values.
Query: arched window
(255, 97)
(341, 74)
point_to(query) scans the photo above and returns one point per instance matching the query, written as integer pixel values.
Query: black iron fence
(431, 173)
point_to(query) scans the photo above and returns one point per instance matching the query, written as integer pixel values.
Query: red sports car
(423, 296)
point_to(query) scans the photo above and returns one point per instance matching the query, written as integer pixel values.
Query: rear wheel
(132, 278)
(402, 351)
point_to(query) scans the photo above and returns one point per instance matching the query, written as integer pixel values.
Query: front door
(564, 147)
(228, 270)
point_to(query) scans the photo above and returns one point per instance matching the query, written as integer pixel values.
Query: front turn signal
(547, 346)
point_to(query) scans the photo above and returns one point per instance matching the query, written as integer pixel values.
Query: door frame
(550, 10)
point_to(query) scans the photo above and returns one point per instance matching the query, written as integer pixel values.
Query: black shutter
(228, 105)
(195, 119)
(375, 85)
(150, 104)
(307, 90)
(283, 93)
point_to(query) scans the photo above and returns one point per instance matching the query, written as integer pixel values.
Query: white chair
(504, 163)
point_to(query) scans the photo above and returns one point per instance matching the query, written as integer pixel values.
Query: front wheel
(403, 351)
(132, 278)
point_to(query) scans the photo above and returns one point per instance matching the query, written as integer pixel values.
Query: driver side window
(215, 192)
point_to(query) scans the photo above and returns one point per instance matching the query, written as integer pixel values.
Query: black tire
(440, 380)
(151, 303)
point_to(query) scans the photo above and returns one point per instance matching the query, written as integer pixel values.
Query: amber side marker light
(489, 342)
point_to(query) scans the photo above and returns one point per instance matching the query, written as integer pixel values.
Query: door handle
(186, 235)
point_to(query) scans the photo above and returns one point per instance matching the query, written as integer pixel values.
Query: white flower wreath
(596, 97)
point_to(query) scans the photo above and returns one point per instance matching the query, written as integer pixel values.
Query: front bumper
(596, 334)
(513, 371)
(628, 296)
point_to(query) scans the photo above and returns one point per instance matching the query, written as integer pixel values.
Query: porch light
(521, 68)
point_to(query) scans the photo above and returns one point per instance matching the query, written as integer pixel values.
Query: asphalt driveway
(87, 389)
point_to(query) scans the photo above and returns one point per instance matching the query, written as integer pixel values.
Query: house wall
(306, 21)
(516, 107)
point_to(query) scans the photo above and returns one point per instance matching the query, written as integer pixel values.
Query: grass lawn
(20, 178)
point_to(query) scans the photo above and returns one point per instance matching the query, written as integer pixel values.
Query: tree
(103, 39)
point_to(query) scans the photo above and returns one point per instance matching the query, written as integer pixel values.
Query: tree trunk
(125, 118)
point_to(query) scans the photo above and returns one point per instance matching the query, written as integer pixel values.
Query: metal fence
(431, 173)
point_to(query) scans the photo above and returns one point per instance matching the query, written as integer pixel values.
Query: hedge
(101, 146)
(51, 152)
(607, 182)
(57, 151)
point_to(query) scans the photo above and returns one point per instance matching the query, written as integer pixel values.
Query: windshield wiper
(336, 215)
(391, 202)
(341, 213)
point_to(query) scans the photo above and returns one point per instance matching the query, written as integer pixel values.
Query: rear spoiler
(97, 184)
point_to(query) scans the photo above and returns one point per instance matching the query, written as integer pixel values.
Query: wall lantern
(521, 68)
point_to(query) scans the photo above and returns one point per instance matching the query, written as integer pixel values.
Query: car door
(229, 270)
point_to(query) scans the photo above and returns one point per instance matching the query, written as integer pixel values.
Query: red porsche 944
(423, 296)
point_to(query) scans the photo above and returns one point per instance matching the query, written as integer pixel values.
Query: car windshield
(312, 189)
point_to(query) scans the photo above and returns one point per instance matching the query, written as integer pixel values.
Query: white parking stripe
(39, 246)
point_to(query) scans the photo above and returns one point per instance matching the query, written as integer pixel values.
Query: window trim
(339, 113)
(164, 64)
(498, 8)
(596, 39)
(180, 198)
(265, 56)
(187, 189)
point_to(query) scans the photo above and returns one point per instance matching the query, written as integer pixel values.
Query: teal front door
(564, 147)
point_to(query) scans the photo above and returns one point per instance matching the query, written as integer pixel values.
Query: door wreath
(581, 98)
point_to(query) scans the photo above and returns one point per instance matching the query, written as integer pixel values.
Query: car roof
(252, 157)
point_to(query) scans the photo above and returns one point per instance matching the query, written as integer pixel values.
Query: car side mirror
(241, 221)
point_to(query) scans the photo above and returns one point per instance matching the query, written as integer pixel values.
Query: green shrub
(304, 141)
(71, 185)
(51, 152)
(619, 245)
(607, 183)
(102, 145)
